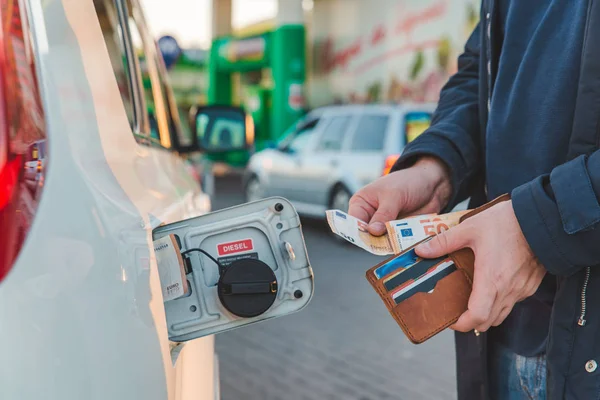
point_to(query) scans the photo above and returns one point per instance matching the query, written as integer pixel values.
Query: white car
(332, 152)
(91, 161)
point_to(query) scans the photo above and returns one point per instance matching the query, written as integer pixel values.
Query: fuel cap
(247, 288)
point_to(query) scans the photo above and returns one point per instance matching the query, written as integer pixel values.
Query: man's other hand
(506, 270)
(423, 188)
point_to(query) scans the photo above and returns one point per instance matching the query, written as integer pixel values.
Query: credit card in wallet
(426, 283)
(402, 261)
(420, 267)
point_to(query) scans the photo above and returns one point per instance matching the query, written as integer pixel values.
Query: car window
(333, 134)
(155, 91)
(293, 129)
(160, 110)
(230, 132)
(109, 23)
(370, 133)
(294, 132)
(302, 138)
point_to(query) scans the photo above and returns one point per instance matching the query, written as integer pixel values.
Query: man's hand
(506, 270)
(421, 189)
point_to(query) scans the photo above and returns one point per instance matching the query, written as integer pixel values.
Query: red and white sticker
(239, 246)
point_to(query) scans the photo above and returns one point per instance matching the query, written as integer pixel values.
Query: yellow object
(414, 129)
(255, 29)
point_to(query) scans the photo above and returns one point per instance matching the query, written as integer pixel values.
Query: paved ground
(344, 345)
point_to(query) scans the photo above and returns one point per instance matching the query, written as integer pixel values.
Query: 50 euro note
(401, 234)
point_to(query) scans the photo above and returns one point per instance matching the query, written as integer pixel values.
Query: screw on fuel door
(247, 288)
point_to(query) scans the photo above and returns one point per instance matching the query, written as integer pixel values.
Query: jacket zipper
(584, 287)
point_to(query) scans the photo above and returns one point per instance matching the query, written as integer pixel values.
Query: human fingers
(387, 211)
(360, 208)
(502, 316)
(481, 303)
(445, 243)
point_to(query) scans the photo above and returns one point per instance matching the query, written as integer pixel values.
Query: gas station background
(351, 51)
(385, 50)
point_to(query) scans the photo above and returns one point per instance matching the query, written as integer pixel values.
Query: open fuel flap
(232, 268)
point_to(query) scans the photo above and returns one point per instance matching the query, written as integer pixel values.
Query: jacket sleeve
(559, 215)
(454, 134)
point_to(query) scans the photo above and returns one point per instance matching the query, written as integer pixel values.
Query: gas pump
(274, 103)
(257, 103)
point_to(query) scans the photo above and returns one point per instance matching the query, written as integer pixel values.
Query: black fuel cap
(247, 288)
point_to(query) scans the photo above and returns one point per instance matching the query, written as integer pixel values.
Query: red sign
(239, 246)
(296, 97)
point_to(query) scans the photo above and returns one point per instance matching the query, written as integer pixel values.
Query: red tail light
(21, 131)
(9, 179)
(389, 163)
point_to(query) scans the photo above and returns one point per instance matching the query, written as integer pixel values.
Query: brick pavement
(344, 345)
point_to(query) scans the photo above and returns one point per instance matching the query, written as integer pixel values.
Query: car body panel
(81, 310)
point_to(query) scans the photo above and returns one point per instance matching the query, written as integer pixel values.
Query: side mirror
(220, 129)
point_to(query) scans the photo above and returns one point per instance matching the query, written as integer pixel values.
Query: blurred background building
(385, 50)
(357, 50)
(281, 58)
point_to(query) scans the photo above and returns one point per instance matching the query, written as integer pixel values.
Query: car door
(320, 168)
(285, 173)
(364, 160)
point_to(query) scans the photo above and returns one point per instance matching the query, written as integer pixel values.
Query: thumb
(445, 243)
(387, 211)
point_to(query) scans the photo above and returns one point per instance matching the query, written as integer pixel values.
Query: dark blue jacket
(559, 213)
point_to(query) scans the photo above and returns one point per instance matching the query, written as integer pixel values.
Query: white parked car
(332, 152)
(92, 159)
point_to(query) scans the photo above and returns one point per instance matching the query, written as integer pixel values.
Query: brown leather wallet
(424, 315)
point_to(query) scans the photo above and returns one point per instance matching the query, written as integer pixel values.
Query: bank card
(415, 271)
(425, 283)
(400, 262)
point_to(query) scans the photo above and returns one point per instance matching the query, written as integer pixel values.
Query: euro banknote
(401, 234)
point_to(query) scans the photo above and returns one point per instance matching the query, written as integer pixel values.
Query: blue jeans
(514, 377)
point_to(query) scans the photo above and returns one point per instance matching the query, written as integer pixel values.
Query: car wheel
(254, 190)
(340, 200)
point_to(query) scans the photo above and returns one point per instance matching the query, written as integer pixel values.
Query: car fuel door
(232, 268)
